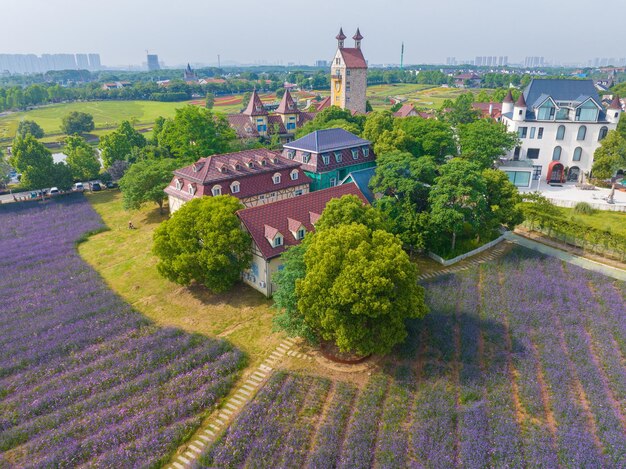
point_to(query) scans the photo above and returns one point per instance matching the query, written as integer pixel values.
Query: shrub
(583, 208)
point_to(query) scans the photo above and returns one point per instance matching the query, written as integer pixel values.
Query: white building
(560, 123)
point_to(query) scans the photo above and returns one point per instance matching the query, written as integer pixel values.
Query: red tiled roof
(255, 106)
(357, 36)
(243, 125)
(509, 97)
(405, 111)
(521, 102)
(341, 36)
(323, 104)
(353, 57)
(615, 103)
(496, 109)
(467, 76)
(287, 105)
(277, 215)
(304, 117)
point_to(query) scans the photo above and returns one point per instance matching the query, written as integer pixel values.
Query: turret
(614, 110)
(519, 110)
(357, 39)
(340, 38)
(507, 104)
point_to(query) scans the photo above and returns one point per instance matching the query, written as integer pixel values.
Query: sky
(279, 31)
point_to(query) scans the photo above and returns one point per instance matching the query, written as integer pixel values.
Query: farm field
(522, 367)
(243, 316)
(86, 380)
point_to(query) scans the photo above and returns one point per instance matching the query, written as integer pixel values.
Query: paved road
(588, 264)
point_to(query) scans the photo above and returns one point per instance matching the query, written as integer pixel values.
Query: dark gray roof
(327, 140)
(560, 90)
(362, 179)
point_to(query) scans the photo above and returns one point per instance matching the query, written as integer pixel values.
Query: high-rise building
(94, 62)
(82, 61)
(321, 63)
(153, 62)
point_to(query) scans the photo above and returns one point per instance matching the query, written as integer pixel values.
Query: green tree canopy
(81, 158)
(29, 127)
(359, 289)
(332, 117)
(195, 132)
(203, 242)
(503, 199)
(119, 144)
(5, 169)
(428, 137)
(484, 141)
(376, 123)
(458, 198)
(209, 100)
(77, 122)
(145, 181)
(350, 209)
(610, 156)
(31, 158)
(460, 111)
(61, 176)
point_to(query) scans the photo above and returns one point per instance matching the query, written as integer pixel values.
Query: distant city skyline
(240, 32)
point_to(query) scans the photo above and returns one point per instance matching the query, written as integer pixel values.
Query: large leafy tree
(428, 137)
(350, 209)
(29, 127)
(458, 198)
(359, 289)
(484, 140)
(195, 132)
(376, 124)
(81, 158)
(145, 181)
(333, 117)
(119, 144)
(31, 158)
(610, 156)
(5, 169)
(77, 122)
(460, 111)
(203, 242)
(503, 199)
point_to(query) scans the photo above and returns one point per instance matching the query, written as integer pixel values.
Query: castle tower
(348, 75)
(288, 112)
(519, 110)
(507, 104)
(614, 110)
(257, 113)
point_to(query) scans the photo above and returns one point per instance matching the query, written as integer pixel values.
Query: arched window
(560, 133)
(217, 190)
(276, 178)
(582, 132)
(235, 187)
(294, 175)
(573, 174)
(179, 184)
(192, 189)
(578, 153)
(556, 154)
(603, 131)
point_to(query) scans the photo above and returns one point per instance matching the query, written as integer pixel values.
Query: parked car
(78, 187)
(54, 191)
(111, 185)
(95, 187)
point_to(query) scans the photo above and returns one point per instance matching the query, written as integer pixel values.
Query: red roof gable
(353, 57)
(280, 216)
(405, 111)
(255, 106)
(323, 104)
(287, 104)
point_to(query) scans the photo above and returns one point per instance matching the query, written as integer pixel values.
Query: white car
(54, 191)
(79, 187)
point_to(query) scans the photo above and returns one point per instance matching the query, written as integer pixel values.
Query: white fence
(484, 247)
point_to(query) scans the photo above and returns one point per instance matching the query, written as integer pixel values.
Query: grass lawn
(601, 219)
(123, 258)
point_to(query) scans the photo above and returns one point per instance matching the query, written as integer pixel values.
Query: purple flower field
(84, 379)
(521, 363)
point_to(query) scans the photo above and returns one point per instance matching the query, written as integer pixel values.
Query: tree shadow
(239, 296)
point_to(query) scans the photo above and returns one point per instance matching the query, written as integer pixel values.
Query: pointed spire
(509, 97)
(287, 105)
(255, 106)
(521, 102)
(341, 36)
(188, 67)
(615, 103)
(357, 36)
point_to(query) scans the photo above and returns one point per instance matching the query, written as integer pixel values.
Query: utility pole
(402, 56)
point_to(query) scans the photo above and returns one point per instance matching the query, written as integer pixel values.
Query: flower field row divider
(188, 454)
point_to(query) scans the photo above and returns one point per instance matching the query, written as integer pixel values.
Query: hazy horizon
(283, 32)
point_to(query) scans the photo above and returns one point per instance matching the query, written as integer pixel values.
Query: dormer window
(326, 158)
(294, 175)
(192, 189)
(223, 169)
(216, 190)
(276, 178)
(355, 153)
(263, 162)
(250, 164)
(366, 151)
(278, 241)
(237, 167)
(179, 184)
(291, 154)
(306, 157)
(300, 234)
(275, 160)
(234, 187)
(338, 156)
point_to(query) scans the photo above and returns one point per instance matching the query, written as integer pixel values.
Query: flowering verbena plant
(519, 364)
(84, 379)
